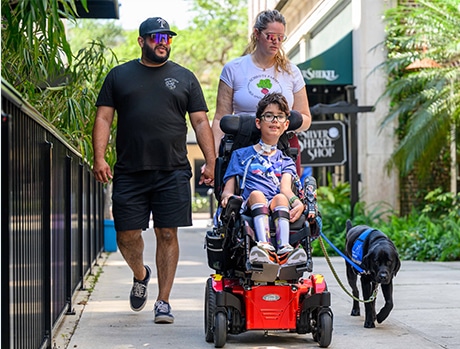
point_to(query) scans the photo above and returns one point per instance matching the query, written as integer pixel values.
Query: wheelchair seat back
(240, 131)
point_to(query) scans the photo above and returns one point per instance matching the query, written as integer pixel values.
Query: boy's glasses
(157, 38)
(272, 36)
(269, 117)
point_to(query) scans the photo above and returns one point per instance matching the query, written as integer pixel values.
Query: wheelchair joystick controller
(310, 186)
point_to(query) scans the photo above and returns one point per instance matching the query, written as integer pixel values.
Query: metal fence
(51, 224)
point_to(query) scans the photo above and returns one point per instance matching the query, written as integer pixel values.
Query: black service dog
(376, 254)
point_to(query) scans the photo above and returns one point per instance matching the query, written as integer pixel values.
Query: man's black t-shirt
(151, 105)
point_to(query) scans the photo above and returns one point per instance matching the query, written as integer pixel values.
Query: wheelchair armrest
(233, 206)
(219, 170)
(298, 224)
(232, 209)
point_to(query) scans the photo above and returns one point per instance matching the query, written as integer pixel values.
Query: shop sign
(323, 144)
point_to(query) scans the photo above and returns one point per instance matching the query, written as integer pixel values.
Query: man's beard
(152, 56)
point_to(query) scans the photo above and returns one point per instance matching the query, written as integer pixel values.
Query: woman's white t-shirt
(250, 83)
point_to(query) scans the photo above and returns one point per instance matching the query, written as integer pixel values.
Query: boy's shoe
(163, 314)
(293, 257)
(263, 252)
(285, 249)
(138, 296)
(284, 252)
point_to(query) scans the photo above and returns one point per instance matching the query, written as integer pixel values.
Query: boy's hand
(296, 210)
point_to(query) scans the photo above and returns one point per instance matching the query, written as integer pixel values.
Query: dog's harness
(348, 260)
(353, 264)
(358, 246)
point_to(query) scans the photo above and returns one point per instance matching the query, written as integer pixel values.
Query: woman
(264, 68)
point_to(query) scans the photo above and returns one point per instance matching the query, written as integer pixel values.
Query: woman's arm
(302, 106)
(224, 106)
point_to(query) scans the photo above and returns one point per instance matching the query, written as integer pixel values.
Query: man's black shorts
(166, 195)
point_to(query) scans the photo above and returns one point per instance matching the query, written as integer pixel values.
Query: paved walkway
(426, 313)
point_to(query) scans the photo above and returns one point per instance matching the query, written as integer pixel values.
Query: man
(151, 96)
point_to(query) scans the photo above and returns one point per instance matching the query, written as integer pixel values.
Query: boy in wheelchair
(264, 177)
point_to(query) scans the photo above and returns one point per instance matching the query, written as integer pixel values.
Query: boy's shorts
(164, 195)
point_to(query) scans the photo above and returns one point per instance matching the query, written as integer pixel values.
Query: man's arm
(101, 134)
(204, 137)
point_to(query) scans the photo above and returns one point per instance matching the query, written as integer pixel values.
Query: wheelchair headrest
(230, 123)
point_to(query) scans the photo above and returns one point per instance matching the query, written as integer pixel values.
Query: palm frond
(425, 101)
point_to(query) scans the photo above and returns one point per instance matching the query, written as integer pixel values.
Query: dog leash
(328, 260)
(353, 264)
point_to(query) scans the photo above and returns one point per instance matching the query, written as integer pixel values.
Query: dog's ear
(366, 262)
(397, 265)
(395, 255)
(349, 225)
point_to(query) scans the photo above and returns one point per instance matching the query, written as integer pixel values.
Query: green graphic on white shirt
(265, 85)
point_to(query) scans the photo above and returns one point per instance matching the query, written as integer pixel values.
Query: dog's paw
(381, 317)
(384, 312)
(369, 324)
(355, 312)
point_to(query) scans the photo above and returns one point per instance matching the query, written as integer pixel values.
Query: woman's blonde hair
(261, 23)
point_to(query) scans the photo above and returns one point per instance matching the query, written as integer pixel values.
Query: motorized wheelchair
(241, 296)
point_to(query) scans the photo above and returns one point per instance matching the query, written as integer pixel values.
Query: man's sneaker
(163, 314)
(294, 257)
(263, 252)
(138, 296)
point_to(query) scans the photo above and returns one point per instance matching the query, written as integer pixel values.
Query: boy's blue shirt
(258, 174)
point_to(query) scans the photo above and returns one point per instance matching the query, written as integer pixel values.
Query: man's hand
(102, 171)
(207, 175)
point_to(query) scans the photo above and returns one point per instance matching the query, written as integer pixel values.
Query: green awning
(332, 67)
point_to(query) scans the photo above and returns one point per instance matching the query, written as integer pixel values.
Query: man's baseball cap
(155, 25)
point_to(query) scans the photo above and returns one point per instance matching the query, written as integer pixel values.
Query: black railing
(51, 226)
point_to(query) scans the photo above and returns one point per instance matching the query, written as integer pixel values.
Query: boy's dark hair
(272, 98)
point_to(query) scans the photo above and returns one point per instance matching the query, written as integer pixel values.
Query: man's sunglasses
(157, 38)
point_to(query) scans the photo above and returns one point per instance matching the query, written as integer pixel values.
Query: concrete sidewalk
(426, 313)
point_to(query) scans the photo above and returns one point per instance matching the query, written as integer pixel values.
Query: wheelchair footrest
(264, 272)
(292, 272)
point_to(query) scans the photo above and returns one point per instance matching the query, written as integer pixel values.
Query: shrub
(431, 233)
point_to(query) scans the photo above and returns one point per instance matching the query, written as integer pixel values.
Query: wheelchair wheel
(220, 329)
(209, 309)
(323, 334)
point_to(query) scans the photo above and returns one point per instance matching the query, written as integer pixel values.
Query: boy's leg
(281, 219)
(261, 225)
